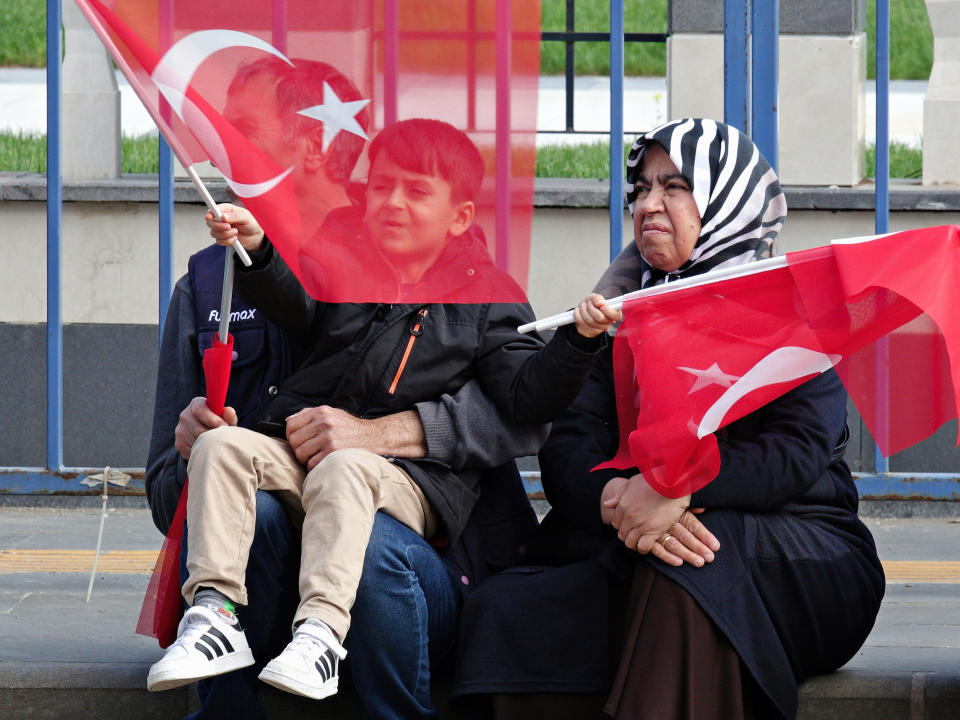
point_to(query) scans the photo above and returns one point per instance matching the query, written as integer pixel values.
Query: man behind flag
(476, 67)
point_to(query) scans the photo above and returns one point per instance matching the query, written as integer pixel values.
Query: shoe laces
(309, 642)
(195, 623)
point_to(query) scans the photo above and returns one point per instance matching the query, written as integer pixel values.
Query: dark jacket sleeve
(467, 430)
(778, 453)
(532, 382)
(271, 286)
(584, 436)
(178, 382)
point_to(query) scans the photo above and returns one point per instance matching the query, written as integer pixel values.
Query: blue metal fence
(750, 92)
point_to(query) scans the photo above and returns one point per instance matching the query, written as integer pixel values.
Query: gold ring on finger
(666, 536)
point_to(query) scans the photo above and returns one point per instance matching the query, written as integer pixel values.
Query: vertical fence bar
(471, 65)
(165, 240)
(165, 184)
(569, 65)
(503, 33)
(736, 64)
(765, 52)
(278, 19)
(54, 226)
(391, 60)
(882, 198)
(882, 173)
(616, 127)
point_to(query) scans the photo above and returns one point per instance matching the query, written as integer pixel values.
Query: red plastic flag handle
(216, 370)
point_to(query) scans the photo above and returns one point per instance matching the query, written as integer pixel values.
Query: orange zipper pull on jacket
(415, 332)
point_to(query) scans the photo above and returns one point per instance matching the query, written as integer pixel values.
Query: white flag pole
(226, 294)
(208, 199)
(566, 318)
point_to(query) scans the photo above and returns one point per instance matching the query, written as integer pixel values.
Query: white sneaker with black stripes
(207, 644)
(310, 664)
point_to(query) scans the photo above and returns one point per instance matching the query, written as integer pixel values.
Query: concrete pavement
(62, 658)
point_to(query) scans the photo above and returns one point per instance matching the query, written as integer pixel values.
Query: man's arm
(467, 430)
(461, 430)
(178, 382)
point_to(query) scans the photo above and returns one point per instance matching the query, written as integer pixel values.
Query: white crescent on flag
(782, 365)
(178, 64)
(172, 76)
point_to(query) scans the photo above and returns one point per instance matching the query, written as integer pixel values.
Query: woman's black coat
(795, 586)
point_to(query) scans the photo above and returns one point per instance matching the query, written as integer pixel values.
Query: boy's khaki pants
(336, 503)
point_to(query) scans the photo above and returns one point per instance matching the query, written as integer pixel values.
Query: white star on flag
(336, 115)
(713, 375)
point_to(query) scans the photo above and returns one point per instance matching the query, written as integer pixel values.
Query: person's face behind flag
(277, 144)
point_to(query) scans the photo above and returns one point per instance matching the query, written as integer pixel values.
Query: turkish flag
(283, 96)
(884, 311)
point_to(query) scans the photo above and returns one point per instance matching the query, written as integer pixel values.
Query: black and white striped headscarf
(738, 195)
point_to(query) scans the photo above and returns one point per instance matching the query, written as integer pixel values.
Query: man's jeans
(405, 614)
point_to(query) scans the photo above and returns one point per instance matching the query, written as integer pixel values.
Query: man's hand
(314, 433)
(238, 224)
(195, 420)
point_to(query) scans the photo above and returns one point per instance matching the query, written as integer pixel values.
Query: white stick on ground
(103, 519)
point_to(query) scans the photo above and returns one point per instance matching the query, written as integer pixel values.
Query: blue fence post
(391, 60)
(504, 43)
(616, 127)
(165, 211)
(54, 225)
(736, 64)
(882, 196)
(765, 67)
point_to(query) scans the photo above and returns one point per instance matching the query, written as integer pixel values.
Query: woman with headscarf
(732, 606)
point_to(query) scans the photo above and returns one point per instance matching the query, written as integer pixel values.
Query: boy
(366, 360)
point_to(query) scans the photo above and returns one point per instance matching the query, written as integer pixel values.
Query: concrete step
(63, 658)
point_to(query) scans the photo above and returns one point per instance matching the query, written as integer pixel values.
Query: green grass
(22, 41)
(23, 152)
(911, 40)
(905, 161)
(140, 154)
(593, 58)
(23, 33)
(593, 161)
(27, 152)
(587, 160)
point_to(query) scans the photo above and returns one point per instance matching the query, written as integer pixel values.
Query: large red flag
(282, 96)
(885, 311)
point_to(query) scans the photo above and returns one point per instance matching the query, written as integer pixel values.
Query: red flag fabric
(885, 311)
(282, 99)
(162, 603)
